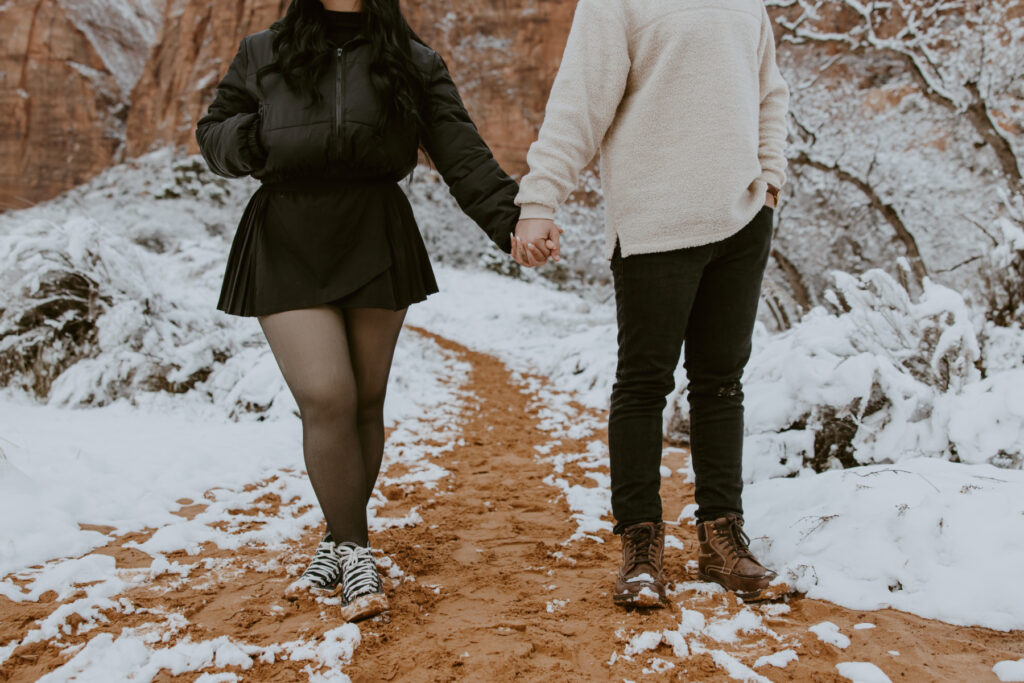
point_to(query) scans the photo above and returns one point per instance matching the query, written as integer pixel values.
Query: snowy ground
(916, 533)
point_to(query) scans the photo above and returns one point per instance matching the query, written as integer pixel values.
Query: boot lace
(640, 545)
(739, 546)
(324, 570)
(359, 572)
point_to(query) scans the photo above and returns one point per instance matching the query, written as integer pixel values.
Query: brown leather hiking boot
(640, 582)
(725, 558)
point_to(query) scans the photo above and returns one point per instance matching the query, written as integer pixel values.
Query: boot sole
(364, 607)
(300, 586)
(757, 595)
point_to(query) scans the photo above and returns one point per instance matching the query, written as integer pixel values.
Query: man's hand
(535, 241)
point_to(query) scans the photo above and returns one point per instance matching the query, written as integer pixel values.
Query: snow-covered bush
(876, 376)
(93, 317)
(47, 325)
(111, 292)
(1003, 278)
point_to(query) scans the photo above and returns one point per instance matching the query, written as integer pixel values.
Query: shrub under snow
(877, 377)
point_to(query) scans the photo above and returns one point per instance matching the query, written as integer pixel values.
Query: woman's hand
(535, 241)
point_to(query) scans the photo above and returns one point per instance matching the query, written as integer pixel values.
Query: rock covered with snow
(70, 67)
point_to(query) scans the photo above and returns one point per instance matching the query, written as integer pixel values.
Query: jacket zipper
(339, 88)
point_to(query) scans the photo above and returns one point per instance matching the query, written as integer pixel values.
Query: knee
(722, 388)
(326, 402)
(370, 404)
(648, 389)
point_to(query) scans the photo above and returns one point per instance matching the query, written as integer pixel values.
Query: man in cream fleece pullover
(685, 102)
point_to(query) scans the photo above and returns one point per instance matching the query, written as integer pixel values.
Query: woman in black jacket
(329, 109)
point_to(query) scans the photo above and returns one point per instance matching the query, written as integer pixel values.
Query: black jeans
(707, 295)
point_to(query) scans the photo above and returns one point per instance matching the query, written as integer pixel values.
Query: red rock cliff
(63, 77)
(66, 69)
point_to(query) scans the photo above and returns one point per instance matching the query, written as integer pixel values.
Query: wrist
(536, 211)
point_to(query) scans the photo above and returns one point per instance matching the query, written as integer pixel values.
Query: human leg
(372, 336)
(718, 343)
(653, 294)
(312, 349)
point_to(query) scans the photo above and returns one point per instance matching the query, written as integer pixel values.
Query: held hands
(535, 241)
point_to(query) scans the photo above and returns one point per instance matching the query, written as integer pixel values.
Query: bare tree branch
(888, 211)
(797, 287)
(912, 44)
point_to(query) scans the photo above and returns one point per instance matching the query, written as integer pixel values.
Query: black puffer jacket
(270, 133)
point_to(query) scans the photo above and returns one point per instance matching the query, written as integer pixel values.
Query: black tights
(336, 363)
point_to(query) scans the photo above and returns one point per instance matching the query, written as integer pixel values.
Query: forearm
(228, 135)
(772, 136)
(582, 104)
(481, 187)
(229, 146)
(774, 109)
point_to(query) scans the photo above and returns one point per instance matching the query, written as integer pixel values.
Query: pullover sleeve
(228, 134)
(482, 189)
(774, 106)
(581, 107)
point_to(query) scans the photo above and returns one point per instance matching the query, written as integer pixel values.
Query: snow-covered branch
(962, 55)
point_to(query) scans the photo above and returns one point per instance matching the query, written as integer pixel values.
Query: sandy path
(496, 595)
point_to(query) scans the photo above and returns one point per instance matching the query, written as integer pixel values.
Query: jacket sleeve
(482, 189)
(774, 106)
(581, 106)
(228, 135)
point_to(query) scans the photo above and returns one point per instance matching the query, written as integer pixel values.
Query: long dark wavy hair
(303, 56)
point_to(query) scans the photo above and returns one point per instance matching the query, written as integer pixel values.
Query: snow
(131, 656)
(697, 634)
(916, 536)
(828, 632)
(121, 33)
(641, 578)
(560, 336)
(862, 672)
(556, 605)
(658, 666)
(901, 372)
(734, 668)
(1009, 670)
(779, 659)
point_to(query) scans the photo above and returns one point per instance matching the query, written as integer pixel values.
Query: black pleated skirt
(352, 245)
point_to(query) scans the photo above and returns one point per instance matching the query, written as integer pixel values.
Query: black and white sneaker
(324, 570)
(362, 592)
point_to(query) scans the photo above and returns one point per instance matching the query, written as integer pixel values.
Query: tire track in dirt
(497, 595)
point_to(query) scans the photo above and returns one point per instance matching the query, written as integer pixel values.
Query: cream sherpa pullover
(686, 103)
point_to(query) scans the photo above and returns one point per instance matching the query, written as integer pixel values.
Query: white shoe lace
(324, 570)
(359, 571)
